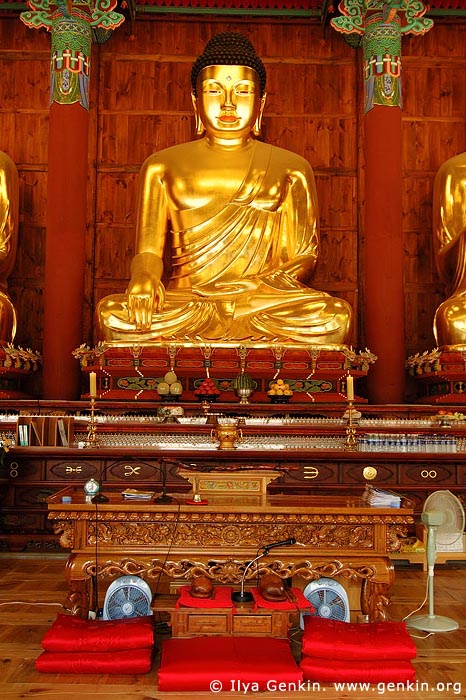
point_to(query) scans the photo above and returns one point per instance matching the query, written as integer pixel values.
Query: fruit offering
(445, 416)
(170, 387)
(279, 388)
(207, 390)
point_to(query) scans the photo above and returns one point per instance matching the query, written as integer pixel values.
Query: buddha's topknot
(229, 49)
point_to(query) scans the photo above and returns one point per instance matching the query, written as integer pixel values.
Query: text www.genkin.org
(275, 686)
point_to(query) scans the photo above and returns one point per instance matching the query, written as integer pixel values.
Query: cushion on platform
(191, 665)
(121, 662)
(69, 633)
(330, 671)
(373, 641)
(221, 598)
(295, 601)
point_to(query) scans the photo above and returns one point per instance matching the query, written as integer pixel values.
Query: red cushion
(193, 664)
(123, 662)
(70, 633)
(316, 669)
(378, 641)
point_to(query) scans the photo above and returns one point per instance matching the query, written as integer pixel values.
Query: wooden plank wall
(140, 102)
(434, 129)
(145, 105)
(24, 108)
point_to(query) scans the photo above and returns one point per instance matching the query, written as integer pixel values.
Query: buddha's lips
(228, 118)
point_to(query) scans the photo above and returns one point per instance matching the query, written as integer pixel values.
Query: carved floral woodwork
(341, 539)
(218, 530)
(374, 597)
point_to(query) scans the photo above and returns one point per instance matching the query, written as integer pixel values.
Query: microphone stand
(101, 497)
(243, 596)
(164, 497)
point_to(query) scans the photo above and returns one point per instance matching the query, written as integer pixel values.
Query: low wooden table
(244, 620)
(338, 537)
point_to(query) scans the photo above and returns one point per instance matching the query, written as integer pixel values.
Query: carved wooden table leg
(78, 598)
(374, 596)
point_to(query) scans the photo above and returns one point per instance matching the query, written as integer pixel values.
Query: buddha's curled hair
(229, 49)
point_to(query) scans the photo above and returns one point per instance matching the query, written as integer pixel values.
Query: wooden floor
(32, 589)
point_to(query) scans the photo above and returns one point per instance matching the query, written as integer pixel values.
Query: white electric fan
(329, 599)
(127, 596)
(443, 514)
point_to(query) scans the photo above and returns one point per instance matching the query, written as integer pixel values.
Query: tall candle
(92, 385)
(349, 388)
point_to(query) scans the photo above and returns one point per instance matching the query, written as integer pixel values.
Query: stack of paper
(381, 499)
(137, 495)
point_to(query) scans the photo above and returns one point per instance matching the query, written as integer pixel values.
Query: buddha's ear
(199, 125)
(258, 123)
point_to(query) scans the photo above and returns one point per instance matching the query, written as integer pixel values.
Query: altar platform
(313, 373)
(440, 375)
(18, 370)
(341, 536)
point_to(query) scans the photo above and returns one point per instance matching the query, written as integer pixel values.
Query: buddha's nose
(228, 101)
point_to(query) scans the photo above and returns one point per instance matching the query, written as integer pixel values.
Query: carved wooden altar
(315, 373)
(341, 537)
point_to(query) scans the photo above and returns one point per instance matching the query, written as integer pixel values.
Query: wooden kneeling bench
(243, 620)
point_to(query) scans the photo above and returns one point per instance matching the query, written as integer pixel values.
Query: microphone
(243, 596)
(282, 543)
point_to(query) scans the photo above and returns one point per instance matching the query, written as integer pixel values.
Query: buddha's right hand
(143, 300)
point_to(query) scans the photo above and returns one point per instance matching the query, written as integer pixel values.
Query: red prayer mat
(300, 602)
(373, 641)
(134, 661)
(215, 663)
(332, 671)
(72, 634)
(221, 598)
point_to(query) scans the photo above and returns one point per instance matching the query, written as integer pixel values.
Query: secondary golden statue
(9, 221)
(449, 224)
(241, 221)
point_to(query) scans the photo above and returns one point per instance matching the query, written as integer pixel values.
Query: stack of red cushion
(73, 645)
(376, 652)
(226, 665)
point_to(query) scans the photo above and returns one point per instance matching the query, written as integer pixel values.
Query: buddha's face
(228, 100)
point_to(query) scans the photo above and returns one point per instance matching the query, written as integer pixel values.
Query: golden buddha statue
(449, 225)
(9, 219)
(240, 220)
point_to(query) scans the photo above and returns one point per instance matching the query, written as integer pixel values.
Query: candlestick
(91, 440)
(350, 387)
(92, 385)
(351, 442)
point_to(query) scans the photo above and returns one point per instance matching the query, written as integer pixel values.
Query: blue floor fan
(328, 598)
(127, 596)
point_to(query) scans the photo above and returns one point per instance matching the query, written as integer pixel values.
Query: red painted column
(383, 258)
(65, 260)
(383, 235)
(66, 199)
(71, 24)
(381, 26)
